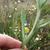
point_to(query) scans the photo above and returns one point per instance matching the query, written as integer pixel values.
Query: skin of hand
(9, 42)
(15, 49)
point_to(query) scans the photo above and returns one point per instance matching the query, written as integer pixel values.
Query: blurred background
(10, 23)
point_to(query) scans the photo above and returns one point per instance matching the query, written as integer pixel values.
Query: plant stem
(34, 26)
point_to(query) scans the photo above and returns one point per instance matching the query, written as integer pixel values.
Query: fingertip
(9, 41)
(13, 43)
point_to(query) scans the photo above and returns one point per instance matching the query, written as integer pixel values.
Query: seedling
(37, 23)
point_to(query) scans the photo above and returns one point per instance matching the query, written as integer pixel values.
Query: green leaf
(48, 35)
(34, 27)
(23, 20)
(31, 22)
(40, 3)
(43, 22)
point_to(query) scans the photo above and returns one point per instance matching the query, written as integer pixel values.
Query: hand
(9, 42)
